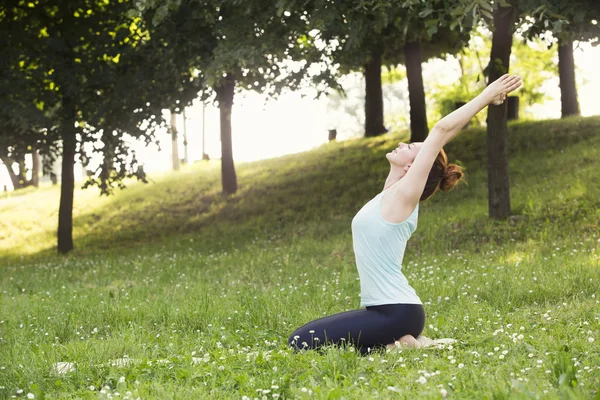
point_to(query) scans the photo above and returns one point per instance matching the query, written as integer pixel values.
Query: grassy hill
(176, 271)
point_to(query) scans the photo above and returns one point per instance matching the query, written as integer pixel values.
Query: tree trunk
(186, 160)
(225, 97)
(416, 92)
(512, 103)
(35, 170)
(204, 155)
(373, 97)
(566, 72)
(174, 145)
(497, 131)
(67, 186)
(14, 178)
(23, 172)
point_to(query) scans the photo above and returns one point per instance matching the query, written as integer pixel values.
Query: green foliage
(354, 30)
(530, 59)
(565, 19)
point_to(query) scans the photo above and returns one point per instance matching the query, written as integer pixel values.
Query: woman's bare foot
(405, 342)
(424, 341)
(409, 342)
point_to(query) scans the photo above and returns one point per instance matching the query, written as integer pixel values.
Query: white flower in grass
(444, 392)
(30, 396)
(461, 365)
(311, 331)
(422, 380)
(304, 390)
(591, 339)
(122, 379)
(530, 355)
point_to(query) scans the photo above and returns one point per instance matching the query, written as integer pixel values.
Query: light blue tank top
(379, 249)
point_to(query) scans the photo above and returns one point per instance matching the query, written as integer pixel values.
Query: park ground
(176, 291)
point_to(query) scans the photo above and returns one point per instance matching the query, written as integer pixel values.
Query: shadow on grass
(325, 185)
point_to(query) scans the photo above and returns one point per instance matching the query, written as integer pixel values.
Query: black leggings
(370, 328)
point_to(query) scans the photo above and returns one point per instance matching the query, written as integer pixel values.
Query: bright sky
(293, 124)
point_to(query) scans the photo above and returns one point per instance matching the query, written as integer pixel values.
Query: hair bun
(452, 174)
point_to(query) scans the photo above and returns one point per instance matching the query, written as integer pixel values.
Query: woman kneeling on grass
(393, 312)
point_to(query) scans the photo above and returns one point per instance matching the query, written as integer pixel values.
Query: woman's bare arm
(494, 93)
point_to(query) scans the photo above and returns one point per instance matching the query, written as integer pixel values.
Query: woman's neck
(394, 176)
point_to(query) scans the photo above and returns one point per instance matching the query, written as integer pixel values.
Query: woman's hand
(497, 90)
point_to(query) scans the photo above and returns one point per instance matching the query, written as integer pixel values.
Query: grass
(201, 290)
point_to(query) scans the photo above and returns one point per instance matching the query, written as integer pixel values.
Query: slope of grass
(214, 284)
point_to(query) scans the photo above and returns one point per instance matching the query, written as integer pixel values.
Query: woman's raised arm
(494, 93)
(409, 189)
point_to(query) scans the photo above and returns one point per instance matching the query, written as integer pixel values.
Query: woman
(393, 312)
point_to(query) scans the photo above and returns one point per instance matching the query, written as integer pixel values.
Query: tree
(174, 141)
(433, 29)
(79, 60)
(232, 48)
(367, 35)
(497, 135)
(568, 21)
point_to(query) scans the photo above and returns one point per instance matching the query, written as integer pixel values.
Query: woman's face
(404, 154)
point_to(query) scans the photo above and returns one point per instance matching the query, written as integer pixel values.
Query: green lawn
(200, 291)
